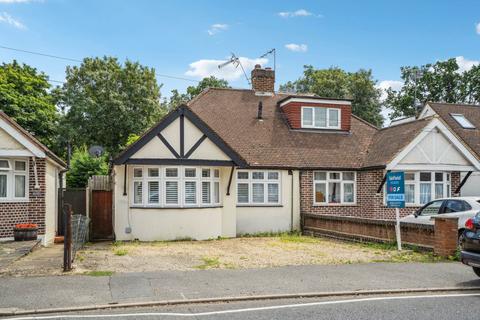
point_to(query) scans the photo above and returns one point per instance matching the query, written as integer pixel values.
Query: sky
(188, 39)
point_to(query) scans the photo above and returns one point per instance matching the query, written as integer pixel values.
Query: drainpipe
(290, 173)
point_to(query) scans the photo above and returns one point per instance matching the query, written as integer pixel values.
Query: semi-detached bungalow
(30, 176)
(234, 161)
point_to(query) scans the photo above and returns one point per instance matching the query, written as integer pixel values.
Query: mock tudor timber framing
(181, 158)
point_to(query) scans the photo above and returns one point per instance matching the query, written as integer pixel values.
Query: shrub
(83, 166)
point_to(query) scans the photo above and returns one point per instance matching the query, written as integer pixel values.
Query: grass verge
(99, 273)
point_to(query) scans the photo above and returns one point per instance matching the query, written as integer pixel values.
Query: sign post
(396, 199)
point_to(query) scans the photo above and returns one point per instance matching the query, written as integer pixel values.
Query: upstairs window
(320, 118)
(462, 121)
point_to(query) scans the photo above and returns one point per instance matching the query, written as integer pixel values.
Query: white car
(462, 207)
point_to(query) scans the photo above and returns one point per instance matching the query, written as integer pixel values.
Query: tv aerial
(235, 61)
(274, 52)
(95, 151)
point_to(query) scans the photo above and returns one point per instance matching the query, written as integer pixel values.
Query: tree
(337, 83)
(193, 91)
(83, 166)
(25, 97)
(442, 81)
(105, 102)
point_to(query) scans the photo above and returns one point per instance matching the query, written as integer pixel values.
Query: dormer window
(320, 118)
(462, 121)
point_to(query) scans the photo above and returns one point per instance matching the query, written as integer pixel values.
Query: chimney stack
(263, 80)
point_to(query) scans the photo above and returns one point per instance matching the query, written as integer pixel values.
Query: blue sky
(189, 38)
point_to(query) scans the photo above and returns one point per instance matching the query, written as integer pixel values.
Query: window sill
(176, 207)
(14, 200)
(259, 205)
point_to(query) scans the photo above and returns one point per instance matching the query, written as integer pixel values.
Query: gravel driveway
(255, 252)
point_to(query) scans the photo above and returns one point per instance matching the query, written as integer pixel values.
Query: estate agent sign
(395, 190)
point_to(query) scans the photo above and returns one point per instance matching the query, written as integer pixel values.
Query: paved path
(65, 291)
(13, 250)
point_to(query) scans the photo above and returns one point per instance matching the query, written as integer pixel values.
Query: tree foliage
(105, 102)
(337, 83)
(442, 81)
(83, 166)
(25, 97)
(178, 98)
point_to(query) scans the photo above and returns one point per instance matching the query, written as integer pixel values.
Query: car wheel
(461, 237)
(476, 270)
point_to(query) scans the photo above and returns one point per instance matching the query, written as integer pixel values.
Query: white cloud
(8, 19)
(465, 64)
(386, 84)
(206, 68)
(216, 28)
(297, 47)
(298, 13)
(477, 28)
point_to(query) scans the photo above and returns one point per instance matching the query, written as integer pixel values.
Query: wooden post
(67, 241)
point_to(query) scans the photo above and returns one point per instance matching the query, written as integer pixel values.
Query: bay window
(258, 187)
(334, 187)
(175, 187)
(320, 118)
(423, 187)
(13, 180)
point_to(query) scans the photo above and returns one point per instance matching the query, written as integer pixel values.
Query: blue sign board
(395, 190)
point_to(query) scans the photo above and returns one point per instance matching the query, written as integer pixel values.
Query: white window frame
(11, 173)
(459, 118)
(265, 181)
(314, 110)
(180, 179)
(447, 185)
(342, 182)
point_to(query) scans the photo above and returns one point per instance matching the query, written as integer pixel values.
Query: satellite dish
(95, 151)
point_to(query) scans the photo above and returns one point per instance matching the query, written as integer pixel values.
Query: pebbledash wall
(29, 211)
(369, 204)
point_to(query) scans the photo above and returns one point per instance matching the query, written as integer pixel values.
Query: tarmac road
(459, 306)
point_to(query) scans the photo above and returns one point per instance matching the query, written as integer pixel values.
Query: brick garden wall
(369, 203)
(32, 210)
(373, 230)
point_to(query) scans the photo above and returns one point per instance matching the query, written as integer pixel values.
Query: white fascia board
(15, 153)
(432, 167)
(319, 101)
(426, 109)
(459, 146)
(14, 133)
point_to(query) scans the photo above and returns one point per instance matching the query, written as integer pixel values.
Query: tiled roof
(34, 140)
(472, 112)
(388, 142)
(232, 114)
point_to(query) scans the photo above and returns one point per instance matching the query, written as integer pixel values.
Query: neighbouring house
(234, 162)
(464, 120)
(29, 180)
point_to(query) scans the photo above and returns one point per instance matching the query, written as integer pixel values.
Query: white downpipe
(35, 174)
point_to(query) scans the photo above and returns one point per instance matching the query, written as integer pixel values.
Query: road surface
(458, 306)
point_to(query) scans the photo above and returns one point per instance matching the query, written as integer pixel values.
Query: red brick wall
(32, 211)
(353, 228)
(369, 203)
(293, 113)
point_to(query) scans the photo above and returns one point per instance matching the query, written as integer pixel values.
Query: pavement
(81, 290)
(11, 251)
